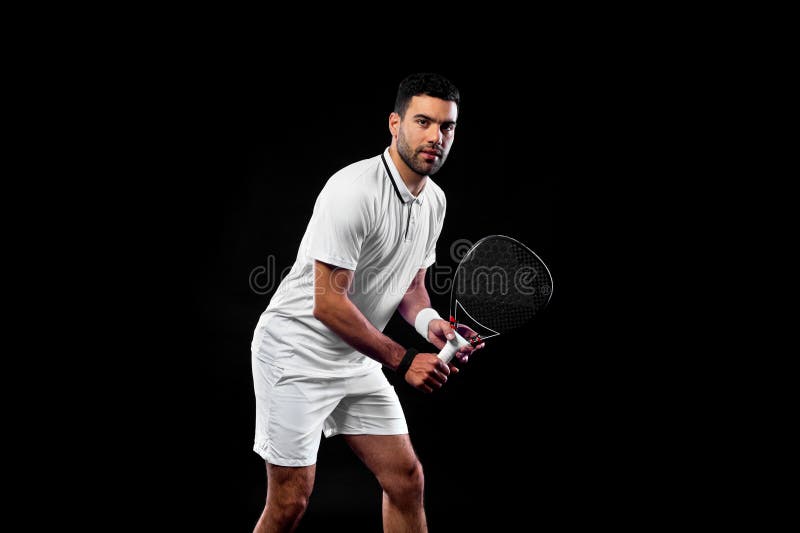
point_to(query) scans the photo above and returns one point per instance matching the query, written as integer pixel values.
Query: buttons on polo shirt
(411, 222)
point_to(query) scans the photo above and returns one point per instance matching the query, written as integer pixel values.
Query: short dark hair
(428, 83)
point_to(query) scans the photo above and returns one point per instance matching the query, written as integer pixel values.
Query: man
(318, 347)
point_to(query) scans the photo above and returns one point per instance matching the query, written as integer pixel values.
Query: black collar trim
(394, 184)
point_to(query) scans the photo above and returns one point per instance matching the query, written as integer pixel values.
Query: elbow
(321, 310)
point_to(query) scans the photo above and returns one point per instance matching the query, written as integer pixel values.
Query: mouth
(431, 154)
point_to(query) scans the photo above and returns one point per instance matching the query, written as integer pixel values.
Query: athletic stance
(318, 347)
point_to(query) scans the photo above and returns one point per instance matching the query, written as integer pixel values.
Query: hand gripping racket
(499, 285)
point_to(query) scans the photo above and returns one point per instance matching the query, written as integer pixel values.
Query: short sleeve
(338, 226)
(430, 257)
(430, 252)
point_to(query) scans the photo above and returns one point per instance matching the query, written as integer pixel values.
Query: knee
(291, 506)
(406, 483)
(288, 501)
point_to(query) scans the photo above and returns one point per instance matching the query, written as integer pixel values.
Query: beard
(413, 158)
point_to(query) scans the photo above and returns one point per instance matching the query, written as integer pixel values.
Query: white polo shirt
(366, 220)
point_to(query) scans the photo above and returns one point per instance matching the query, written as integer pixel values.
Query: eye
(449, 127)
(422, 122)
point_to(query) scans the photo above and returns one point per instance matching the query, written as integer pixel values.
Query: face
(425, 134)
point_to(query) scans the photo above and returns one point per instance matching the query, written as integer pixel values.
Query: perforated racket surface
(499, 285)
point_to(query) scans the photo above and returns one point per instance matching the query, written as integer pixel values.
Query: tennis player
(318, 349)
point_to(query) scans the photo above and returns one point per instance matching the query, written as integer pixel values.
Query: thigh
(286, 481)
(384, 455)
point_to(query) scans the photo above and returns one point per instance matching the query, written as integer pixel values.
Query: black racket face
(501, 284)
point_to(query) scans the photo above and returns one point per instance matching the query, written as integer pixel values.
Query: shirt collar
(397, 182)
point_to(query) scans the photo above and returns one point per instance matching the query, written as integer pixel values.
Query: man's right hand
(428, 373)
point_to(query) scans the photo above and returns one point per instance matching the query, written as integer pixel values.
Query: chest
(402, 232)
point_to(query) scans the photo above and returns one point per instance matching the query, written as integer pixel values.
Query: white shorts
(292, 410)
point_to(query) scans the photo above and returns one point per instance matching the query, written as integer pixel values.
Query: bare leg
(393, 461)
(288, 490)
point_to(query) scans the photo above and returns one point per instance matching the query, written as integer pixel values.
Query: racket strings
(502, 284)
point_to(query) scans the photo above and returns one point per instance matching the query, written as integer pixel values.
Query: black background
(538, 428)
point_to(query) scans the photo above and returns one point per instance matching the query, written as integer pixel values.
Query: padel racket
(499, 285)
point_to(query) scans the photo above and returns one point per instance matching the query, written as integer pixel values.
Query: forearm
(415, 299)
(347, 321)
(412, 304)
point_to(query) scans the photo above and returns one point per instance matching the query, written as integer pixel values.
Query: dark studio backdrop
(524, 434)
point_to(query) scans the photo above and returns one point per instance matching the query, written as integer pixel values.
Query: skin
(391, 458)
(428, 125)
(395, 465)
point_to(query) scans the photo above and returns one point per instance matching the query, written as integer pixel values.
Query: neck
(414, 182)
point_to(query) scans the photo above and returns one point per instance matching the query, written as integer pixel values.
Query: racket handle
(452, 346)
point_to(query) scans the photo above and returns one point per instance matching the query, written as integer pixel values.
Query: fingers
(438, 376)
(435, 380)
(428, 373)
(469, 334)
(433, 374)
(446, 330)
(464, 352)
(432, 384)
(440, 332)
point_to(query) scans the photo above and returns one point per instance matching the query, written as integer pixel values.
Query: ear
(394, 124)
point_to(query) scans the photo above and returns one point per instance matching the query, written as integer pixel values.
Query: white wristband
(424, 318)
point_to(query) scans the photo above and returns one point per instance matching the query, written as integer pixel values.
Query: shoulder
(435, 195)
(354, 187)
(355, 180)
(360, 171)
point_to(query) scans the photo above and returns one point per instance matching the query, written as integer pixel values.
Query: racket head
(500, 285)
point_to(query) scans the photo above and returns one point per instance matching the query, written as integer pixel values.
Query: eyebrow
(426, 117)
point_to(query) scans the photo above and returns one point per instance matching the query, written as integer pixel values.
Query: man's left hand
(440, 331)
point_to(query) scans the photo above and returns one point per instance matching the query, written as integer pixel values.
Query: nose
(435, 135)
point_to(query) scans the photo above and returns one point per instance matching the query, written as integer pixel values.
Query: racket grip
(452, 346)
